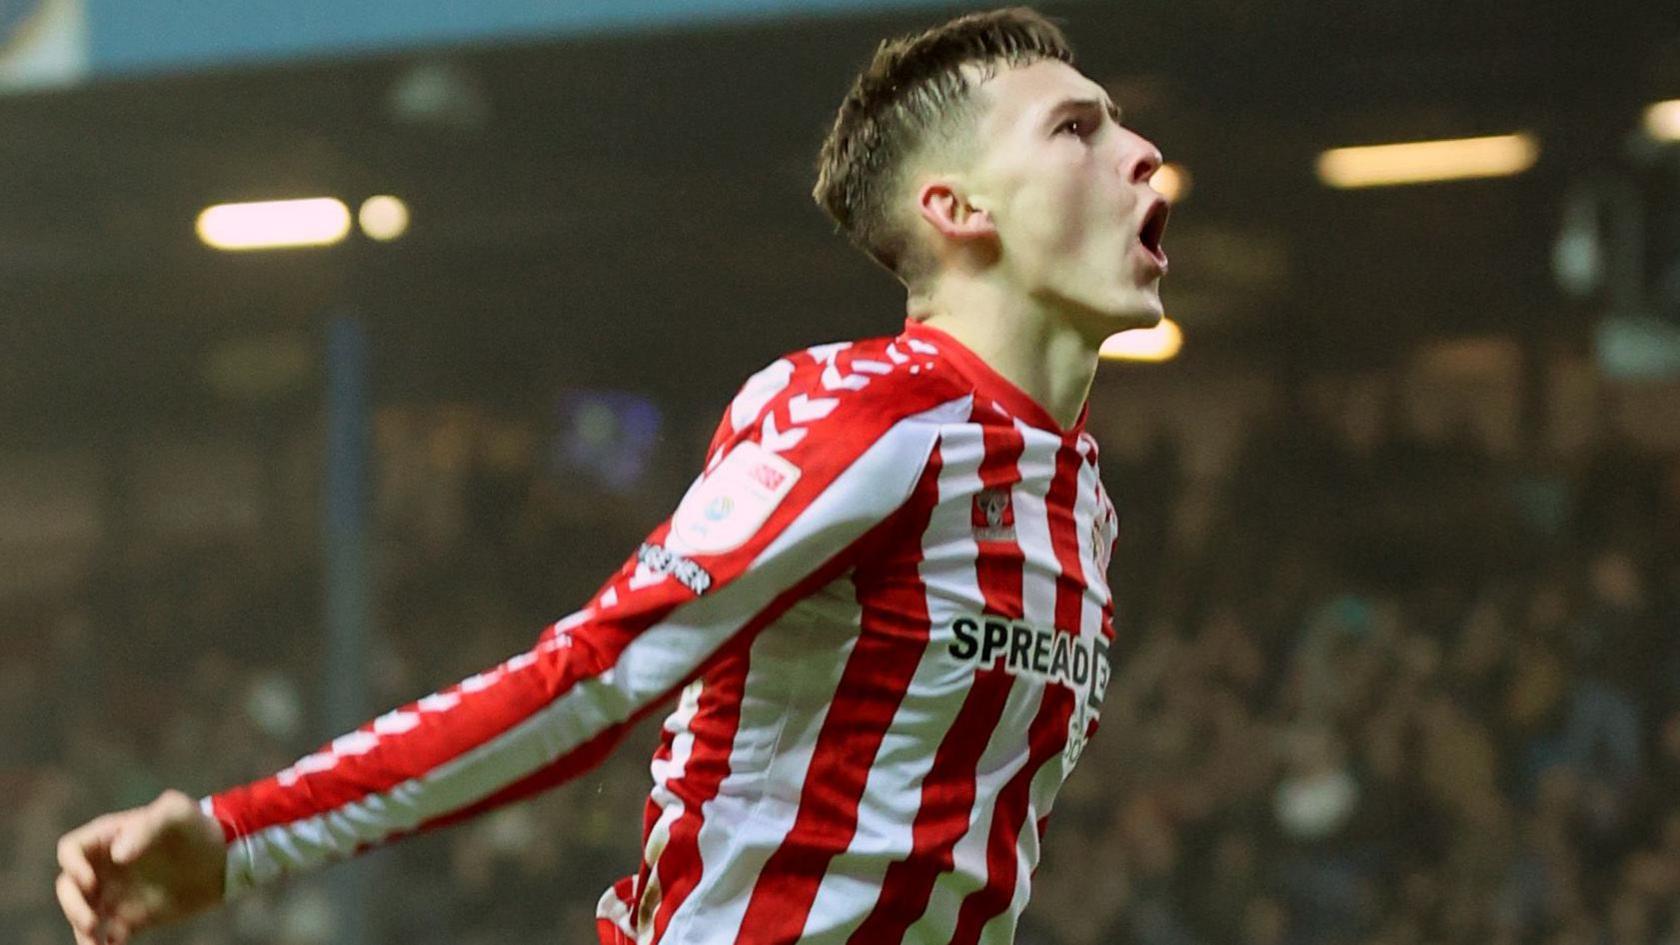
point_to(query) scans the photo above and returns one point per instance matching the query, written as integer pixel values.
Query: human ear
(950, 213)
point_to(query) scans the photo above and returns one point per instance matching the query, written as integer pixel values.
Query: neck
(1031, 346)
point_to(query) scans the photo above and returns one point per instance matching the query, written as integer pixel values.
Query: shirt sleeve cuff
(238, 877)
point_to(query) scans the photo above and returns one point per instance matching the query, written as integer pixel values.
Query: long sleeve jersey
(882, 611)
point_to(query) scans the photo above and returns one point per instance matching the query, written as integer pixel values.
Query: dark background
(1399, 575)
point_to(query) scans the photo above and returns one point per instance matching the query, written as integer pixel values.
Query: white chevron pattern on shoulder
(775, 440)
(802, 409)
(826, 353)
(832, 379)
(759, 390)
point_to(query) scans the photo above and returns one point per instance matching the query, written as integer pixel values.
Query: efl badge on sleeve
(731, 503)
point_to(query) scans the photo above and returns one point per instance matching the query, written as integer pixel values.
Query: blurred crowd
(1387, 692)
(1397, 694)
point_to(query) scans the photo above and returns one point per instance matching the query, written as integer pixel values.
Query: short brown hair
(913, 93)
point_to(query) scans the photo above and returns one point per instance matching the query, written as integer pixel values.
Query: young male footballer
(881, 608)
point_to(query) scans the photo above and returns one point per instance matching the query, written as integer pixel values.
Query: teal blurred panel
(131, 36)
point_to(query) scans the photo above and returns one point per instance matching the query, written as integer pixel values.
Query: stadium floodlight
(1161, 343)
(1173, 181)
(1662, 120)
(383, 218)
(274, 224)
(1422, 162)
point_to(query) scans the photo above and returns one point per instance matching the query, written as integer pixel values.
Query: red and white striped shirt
(884, 608)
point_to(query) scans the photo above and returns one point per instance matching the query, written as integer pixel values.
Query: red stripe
(892, 639)
(680, 866)
(1045, 739)
(948, 790)
(1048, 733)
(998, 563)
(609, 933)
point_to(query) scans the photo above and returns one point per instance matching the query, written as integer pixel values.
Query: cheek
(1054, 216)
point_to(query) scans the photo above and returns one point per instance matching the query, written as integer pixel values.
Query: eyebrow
(1067, 105)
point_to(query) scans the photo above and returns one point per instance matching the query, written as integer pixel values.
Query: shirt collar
(990, 383)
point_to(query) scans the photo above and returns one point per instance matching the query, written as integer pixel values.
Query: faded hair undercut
(914, 96)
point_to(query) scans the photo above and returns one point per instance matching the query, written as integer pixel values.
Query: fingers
(76, 909)
(80, 848)
(81, 854)
(73, 860)
(96, 859)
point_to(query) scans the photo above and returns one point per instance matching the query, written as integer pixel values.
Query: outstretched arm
(803, 469)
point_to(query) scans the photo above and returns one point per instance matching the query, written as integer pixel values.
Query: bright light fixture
(1173, 181)
(1420, 162)
(383, 217)
(1160, 343)
(1662, 120)
(274, 224)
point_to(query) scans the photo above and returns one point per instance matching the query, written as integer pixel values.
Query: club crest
(993, 516)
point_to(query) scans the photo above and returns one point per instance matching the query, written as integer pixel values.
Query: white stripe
(893, 793)
(671, 807)
(613, 909)
(665, 770)
(784, 703)
(1008, 750)
(1049, 779)
(1032, 524)
(1001, 760)
(1056, 770)
(871, 488)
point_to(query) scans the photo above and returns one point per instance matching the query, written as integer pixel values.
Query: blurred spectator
(1348, 706)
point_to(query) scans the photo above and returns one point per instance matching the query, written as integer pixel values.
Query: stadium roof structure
(638, 205)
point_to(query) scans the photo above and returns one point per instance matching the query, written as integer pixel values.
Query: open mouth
(1154, 227)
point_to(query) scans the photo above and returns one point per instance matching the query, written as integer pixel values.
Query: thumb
(134, 837)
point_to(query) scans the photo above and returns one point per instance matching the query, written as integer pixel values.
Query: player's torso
(922, 710)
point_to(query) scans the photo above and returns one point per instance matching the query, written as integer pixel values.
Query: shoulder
(875, 379)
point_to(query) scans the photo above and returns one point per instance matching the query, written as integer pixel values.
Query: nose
(1142, 160)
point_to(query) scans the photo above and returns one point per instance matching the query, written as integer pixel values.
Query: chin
(1137, 311)
(1147, 318)
(1109, 323)
(1097, 318)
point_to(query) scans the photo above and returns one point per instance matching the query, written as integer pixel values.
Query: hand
(138, 868)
